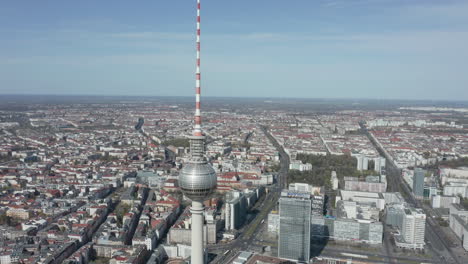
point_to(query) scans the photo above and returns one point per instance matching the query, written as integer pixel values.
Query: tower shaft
(197, 129)
(197, 232)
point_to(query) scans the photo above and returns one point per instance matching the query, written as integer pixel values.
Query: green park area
(177, 142)
(322, 167)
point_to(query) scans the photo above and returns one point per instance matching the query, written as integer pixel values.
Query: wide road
(396, 183)
(250, 231)
(284, 161)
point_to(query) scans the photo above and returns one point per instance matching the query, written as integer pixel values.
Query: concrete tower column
(197, 233)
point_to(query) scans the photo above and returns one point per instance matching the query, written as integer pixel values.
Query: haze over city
(386, 49)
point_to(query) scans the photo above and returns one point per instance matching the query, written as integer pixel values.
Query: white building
(334, 181)
(456, 188)
(362, 197)
(298, 165)
(273, 222)
(304, 187)
(414, 225)
(379, 164)
(362, 162)
(459, 223)
(439, 201)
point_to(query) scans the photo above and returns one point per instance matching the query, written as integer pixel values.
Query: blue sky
(384, 49)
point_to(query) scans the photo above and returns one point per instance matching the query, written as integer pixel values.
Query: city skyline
(100, 181)
(326, 49)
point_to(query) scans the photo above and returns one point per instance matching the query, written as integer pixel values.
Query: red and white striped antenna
(197, 129)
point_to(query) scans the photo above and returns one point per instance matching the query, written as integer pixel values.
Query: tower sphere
(197, 180)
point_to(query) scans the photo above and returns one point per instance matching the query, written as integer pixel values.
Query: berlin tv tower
(197, 178)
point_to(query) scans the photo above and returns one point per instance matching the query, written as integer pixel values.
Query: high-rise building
(235, 210)
(411, 222)
(362, 161)
(197, 178)
(294, 227)
(418, 182)
(334, 180)
(379, 164)
(414, 224)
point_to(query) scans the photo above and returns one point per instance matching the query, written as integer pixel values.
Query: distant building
(357, 210)
(393, 198)
(301, 187)
(440, 201)
(362, 161)
(430, 190)
(374, 198)
(298, 165)
(371, 184)
(379, 164)
(304, 187)
(342, 229)
(334, 180)
(149, 178)
(456, 188)
(18, 212)
(294, 228)
(459, 223)
(418, 182)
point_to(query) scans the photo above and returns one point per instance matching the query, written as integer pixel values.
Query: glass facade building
(418, 182)
(294, 226)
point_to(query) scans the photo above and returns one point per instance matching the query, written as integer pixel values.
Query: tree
(177, 142)
(426, 154)
(121, 210)
(4, 219)
(275, 167)
(322, 166)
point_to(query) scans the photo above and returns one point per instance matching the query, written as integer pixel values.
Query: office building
(418, 182)
(294, 228)
(235, 210)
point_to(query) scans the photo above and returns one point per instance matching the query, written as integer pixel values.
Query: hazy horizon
(190, 98)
